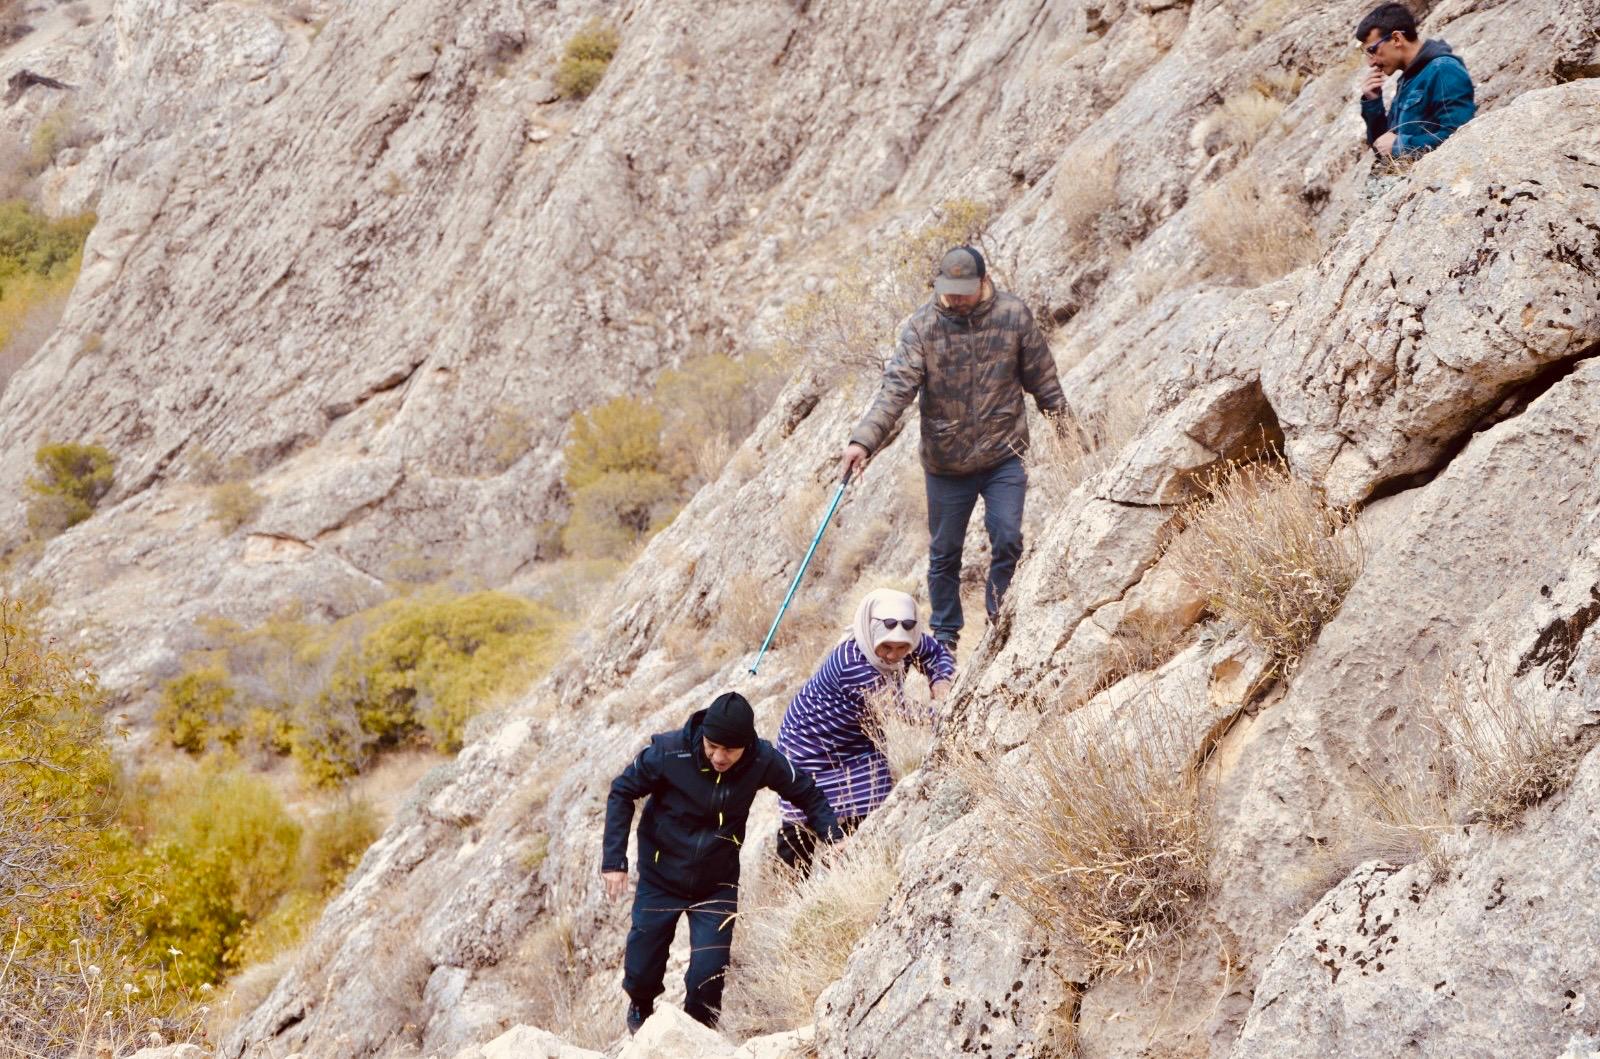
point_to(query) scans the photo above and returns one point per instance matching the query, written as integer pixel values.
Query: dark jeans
(951, 499)
(655, 920)
(797, 843)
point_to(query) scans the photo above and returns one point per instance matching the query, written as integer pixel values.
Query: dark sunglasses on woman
(892, 623)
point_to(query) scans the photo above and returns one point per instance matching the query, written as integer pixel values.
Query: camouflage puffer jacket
(972, 372)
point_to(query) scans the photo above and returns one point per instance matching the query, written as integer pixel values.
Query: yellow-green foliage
(585, 58)
(39, 261)
(66, 898)
(31, 243)
(615, 512)
(72, 479)
(234, 504)
(59, 130)
(632, 462)
(412, 670)
(195, 707)
(428, 664)
(617, 437)
(222, 852)
(334, 844)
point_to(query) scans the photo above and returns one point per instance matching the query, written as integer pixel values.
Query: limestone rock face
(1398, 345)
(357, 256)
(1481, 958)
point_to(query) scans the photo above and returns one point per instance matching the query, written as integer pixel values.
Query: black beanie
(730, 721)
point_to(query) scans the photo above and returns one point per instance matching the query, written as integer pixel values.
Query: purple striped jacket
(823, 729)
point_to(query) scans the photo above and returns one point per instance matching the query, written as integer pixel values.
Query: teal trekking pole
(793, 587)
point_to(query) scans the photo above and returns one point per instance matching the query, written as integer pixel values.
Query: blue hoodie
(1433, 100)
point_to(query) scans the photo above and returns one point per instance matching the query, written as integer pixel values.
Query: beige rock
(796, 1044)
(670, 1034)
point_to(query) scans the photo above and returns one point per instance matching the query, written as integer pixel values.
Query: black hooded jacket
(694, 821)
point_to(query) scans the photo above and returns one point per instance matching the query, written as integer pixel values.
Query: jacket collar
(1431, 50)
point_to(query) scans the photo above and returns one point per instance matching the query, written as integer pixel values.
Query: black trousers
(797, 843)
(655, 921)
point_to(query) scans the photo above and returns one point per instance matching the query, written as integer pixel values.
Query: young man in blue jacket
(700, 782)
(1434, 96)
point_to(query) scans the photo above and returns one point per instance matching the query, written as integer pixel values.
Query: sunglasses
(1372, 49)
(899, 623)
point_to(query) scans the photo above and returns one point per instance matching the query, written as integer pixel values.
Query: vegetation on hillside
(409, 672)
(39, 260)
(73, 478)
(633, 462)
(126, 900)
(585, 58)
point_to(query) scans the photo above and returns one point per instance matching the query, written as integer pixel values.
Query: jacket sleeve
(901, 381)
(1377, 121)
(798, 788)
(934, 660)
(1450, 105)
(1039, 368)
(636, 781)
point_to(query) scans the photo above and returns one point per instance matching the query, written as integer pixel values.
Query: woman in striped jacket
(825, 730)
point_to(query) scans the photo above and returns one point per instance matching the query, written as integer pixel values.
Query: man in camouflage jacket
(972, 353)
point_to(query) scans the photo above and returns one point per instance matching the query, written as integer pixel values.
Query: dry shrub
(1244, 118)
(1103, 837)
(1501, 753)
(852, 323)
(1252, 234)
(550, 973)
(902, 728)
(1078, 445)
(795, 934)
(1270, 555)
(1088, 197)
(1490, 753)
(234, 505)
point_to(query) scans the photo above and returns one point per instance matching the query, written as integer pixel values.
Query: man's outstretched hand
(854, 458)
(616, 884)
(1372, 84)
(1384, 145)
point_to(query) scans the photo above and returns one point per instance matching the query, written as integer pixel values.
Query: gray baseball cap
(960, 272)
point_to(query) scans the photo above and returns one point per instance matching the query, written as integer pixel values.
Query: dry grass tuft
(1088, 197)
(1490, 754)
(795, 935)
(1270, 555)
(1075, 447)
(1103, 837)
(1501, 753)
(1252, 234)
(902, 728)
(551, 975)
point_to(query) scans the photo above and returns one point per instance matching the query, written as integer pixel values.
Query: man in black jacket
(700, 782)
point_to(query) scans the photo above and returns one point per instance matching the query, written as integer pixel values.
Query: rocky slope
(1436, 362)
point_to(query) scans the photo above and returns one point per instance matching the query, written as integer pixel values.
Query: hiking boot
(636, 1018)
(948, 639)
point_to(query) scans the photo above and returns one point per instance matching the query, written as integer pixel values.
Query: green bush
(223, 853)
(195, 709)
(620, 436)
(34, 244)
(72, 480)
(234, 504)
(67, 896)
(334, 844)
(428, 663)
(585, 58)
(616, 511)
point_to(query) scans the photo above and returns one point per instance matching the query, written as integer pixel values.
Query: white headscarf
(868, 629)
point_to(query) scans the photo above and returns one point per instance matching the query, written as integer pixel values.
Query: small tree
(72, 480)
(585, 58)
